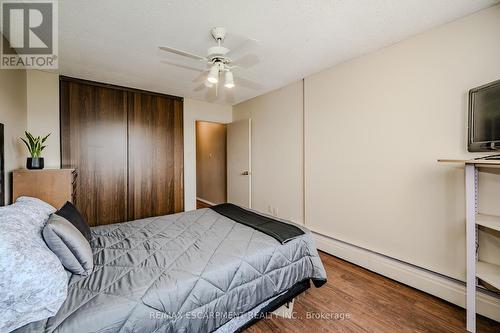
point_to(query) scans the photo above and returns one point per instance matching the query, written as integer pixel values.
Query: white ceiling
(116, 41)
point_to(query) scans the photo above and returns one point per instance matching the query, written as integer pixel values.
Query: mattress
(187, 272)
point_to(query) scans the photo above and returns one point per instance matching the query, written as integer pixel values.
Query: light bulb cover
(213, 75)
(229, 80)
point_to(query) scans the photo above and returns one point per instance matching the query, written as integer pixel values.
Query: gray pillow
(68, 243)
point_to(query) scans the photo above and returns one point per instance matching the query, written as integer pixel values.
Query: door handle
(245, 173)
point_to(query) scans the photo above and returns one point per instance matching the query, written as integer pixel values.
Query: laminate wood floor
(201, 204)
(369, 303)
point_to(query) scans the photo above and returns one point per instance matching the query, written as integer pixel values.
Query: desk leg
(471, 210)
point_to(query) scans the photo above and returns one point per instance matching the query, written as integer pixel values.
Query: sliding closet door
(155, 155)
(127, 147)
(94, 141)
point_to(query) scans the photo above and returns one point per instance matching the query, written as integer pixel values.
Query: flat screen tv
(484, 118)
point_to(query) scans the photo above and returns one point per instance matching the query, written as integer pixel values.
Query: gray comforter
(188, 272)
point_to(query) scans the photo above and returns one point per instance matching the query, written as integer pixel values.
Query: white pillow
(35, 208)
(33, 282)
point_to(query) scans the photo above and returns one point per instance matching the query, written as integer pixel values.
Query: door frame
(196, 156)
(250, 175)
(250, 163)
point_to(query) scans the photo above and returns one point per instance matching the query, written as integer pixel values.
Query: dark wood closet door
(94, 141)
(155, 155)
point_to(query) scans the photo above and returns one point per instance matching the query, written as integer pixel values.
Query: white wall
(43, 112)
(197, 110)
(13, 116)
(276, 150)
(375, 127)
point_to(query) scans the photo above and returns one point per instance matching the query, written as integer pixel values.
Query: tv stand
(477, 269)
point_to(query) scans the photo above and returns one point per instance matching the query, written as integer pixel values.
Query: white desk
(476, 269)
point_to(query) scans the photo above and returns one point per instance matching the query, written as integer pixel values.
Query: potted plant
(35, 147)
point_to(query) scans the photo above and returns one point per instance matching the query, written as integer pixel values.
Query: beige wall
(375, 127)
(276, 151)
(197, 110)
(13, 116)
(43, 112)
(211, 162)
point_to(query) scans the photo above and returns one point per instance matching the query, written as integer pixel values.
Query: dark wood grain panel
(127, 145)
(76, 107)
(178, 156)
(155, 151)
(109, 144)
(94, 141)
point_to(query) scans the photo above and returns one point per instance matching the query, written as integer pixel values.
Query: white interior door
(239, 164)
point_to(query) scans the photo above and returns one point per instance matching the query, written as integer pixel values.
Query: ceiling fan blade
(205, 85)
(243, 48)
(211, 94)
(229, 96)
(239, 81)
(246, 61)
(182, 53)
(183, 66)
(202, 77)
(199, 88)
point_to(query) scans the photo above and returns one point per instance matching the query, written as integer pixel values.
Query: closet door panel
(110, 166)
(94, 141)
(178, 156)
(155, 185)
(76, 107)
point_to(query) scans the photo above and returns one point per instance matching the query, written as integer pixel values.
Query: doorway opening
(211, 164)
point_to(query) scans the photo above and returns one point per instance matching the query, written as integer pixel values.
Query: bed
(198, 271)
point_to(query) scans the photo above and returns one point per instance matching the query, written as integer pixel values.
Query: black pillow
(70, 213)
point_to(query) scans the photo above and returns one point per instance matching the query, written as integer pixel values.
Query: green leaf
(31, 140)
(37, 147)
(28, 135)
(45, 137)
(27, 145)
(35, 144)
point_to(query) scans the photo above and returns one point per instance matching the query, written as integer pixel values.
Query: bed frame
(280, 301)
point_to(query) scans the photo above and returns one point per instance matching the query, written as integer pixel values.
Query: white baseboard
(435, 284)
(206, 201)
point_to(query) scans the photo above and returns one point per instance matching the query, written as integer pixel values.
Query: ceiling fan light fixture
(229, 80)
(219, 63)
(213, 75)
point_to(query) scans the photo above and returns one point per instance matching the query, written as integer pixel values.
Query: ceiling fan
(220, 63)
